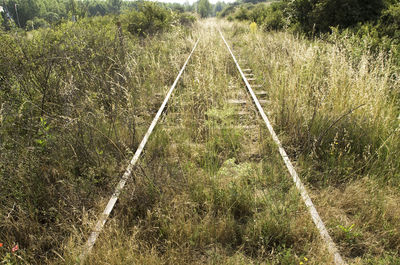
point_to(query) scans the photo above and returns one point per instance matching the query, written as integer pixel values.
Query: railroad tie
(237, 101)
(102, 219)
(330, 244)
(261, 93)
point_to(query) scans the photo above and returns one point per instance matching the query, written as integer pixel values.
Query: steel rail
(120, 186)
(332, 248)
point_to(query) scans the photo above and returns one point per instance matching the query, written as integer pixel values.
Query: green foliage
(149, 19)
(1, 21)
(204, 8)
(271, 16)
(65, 93)
(320, 15)
(175, 7)
(36, 23)
(114, 6)
(186, 19)
(227, 11)
(31, 14)
(389, 22)
(274, 17)
(218, 7)
(97, 8)
(242, 14)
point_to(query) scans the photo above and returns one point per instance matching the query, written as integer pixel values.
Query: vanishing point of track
(102, 219)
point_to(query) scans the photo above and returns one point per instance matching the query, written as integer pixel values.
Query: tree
(95, 9)
(218, 7)
(115, 6)
(24, 10)
(389, 23)
(71, 7)
(203, 8)
(320, 15)
(1, 19)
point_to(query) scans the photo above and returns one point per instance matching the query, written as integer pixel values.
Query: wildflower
(305, 259)
(1, 244)
(15, 248)
(253, 27)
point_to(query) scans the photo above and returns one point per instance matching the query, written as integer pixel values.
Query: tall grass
(338, 108)
(335, 106)
(72, 109)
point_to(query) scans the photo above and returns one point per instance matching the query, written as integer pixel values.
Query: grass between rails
(338, 116)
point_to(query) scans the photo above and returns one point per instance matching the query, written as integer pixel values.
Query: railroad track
(249, 105)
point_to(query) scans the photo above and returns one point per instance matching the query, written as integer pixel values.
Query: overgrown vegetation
(74, 102)
(335, 105)
(378, 19)
(210, 188)
(34, 14)
(150, 18)
(207, 190)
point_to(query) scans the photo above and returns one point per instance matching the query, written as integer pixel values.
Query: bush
(186, 19)
(389, 23)
(271, 15)
(36, 23)
(242, 14)
(149, 19)
(227, 11)
(275, 18)
(320, 15)
(52, 17)
(61, 91)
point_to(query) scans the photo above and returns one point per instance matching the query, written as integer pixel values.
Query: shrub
(242, 14)
(186, 19)
(320, 15)
(227, 11)
(389, 23)
(275, 18)
(149, 19)
(36, 23)
(61, 91)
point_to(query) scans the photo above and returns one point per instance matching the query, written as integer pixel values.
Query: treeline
(33, 14)
(377, 17)
(30, 14)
